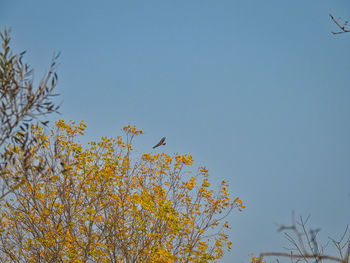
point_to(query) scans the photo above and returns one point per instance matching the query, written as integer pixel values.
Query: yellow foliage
(94, 204)
(256, 260)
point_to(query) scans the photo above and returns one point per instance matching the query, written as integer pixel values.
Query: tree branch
(342, 27)
(281, 254)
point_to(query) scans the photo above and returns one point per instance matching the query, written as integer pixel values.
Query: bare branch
(293, 256)
(342, 27)
(312, 252)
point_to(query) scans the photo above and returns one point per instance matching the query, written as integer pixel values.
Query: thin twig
(342, 27)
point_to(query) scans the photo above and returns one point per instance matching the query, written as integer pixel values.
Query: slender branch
(281, 254)
(342, 27)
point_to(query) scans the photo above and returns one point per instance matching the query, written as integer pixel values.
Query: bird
(161, 142)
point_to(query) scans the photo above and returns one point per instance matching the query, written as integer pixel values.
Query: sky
(257, 91)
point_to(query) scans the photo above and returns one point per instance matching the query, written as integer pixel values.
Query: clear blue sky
(257, 91)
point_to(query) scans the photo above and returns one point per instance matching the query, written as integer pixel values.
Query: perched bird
(161, 142)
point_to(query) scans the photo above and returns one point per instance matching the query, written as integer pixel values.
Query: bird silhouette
(161, 142)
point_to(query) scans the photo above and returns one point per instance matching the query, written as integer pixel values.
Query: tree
(20, 102)
(101, 204)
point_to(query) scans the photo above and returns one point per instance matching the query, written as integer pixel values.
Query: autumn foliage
(100, 203)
